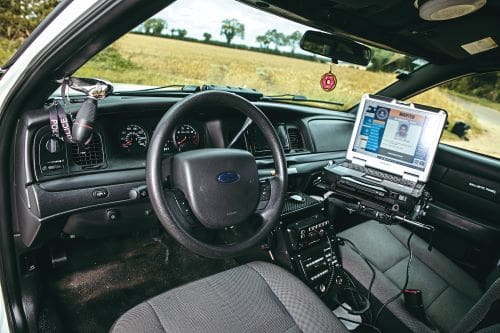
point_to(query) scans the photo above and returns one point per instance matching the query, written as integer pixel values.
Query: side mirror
(336, 48)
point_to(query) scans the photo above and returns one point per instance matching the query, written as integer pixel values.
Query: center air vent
(91, 155)
(295, 139)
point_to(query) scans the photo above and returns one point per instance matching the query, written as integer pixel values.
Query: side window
(473, 106)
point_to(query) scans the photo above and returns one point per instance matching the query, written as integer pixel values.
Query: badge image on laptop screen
(382, 113)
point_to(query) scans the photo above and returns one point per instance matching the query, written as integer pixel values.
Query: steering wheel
(220, 187)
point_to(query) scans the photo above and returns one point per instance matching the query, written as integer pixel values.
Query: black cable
(367, 261)
(352, 289)
(361, 298)
(332, 270)
(392, 299)
(375, 328)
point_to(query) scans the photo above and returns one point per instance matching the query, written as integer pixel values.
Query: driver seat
(256, 297)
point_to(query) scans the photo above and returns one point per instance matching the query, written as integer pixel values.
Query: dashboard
(88, 192)
(116, 144)
(123, 143)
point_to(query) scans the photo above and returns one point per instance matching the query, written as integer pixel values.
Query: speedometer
(186, 137)
(133, 138)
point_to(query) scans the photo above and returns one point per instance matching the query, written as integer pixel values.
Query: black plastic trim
(485, 166)
(478, 230)
(48, 205)
(94, 180)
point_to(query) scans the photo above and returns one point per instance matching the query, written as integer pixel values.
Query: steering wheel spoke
(166, 168)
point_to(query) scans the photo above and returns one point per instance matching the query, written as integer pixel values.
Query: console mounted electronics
(389, 159)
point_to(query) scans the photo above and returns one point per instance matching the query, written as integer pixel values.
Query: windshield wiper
(297, 98)
(162, 89)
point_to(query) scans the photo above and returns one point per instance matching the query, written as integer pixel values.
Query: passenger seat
(453, 300)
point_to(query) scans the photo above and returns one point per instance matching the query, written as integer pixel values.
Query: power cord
(355, 294)
(392, 299)
(367, 261)
(353, 289)
(352, 286)
(332, 270)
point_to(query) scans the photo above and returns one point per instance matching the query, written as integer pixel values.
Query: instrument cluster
(134, 138)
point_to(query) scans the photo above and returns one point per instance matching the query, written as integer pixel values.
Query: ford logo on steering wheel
(228, 177)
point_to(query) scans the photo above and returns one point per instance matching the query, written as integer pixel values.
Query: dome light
(440, 10)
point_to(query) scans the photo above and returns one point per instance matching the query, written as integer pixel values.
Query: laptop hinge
(359, 161)
(411, 177)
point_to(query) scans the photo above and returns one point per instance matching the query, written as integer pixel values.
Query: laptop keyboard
(382, 175)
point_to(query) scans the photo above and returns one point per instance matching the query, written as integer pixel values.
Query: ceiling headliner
(394, 24)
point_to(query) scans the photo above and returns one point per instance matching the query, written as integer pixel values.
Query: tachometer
(134, 138)
(186, 137)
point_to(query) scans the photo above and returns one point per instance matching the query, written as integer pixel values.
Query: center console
(306, 243)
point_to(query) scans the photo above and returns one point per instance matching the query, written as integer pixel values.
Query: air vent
(295, 139)
(91, 155)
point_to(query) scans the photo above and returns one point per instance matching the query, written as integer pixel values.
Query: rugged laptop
(392, 147)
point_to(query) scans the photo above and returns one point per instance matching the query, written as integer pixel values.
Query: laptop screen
(397, 134)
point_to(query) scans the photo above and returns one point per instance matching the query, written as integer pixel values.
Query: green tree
(277, 38)
(146, 27)
(181, 33)
(485, 85)
(154, 26)
(232, 28)
(263, 41)
(19, 18)
(207, 36)
(294, 39)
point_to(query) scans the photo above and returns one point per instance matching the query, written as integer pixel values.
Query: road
(483, 113)
(489, 118)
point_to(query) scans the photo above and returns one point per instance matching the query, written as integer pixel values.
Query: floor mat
(103, 279)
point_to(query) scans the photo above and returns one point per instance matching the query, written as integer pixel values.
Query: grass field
(150, 60)
(158, 61)
(140, 59)
(440, 98)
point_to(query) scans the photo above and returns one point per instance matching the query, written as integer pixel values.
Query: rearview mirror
(336, 48)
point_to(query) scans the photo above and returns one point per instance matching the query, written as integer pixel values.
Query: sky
(199, 16)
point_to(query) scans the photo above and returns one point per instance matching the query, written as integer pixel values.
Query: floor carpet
(103, 279)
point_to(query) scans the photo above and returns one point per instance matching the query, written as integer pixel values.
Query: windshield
(223, 42)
